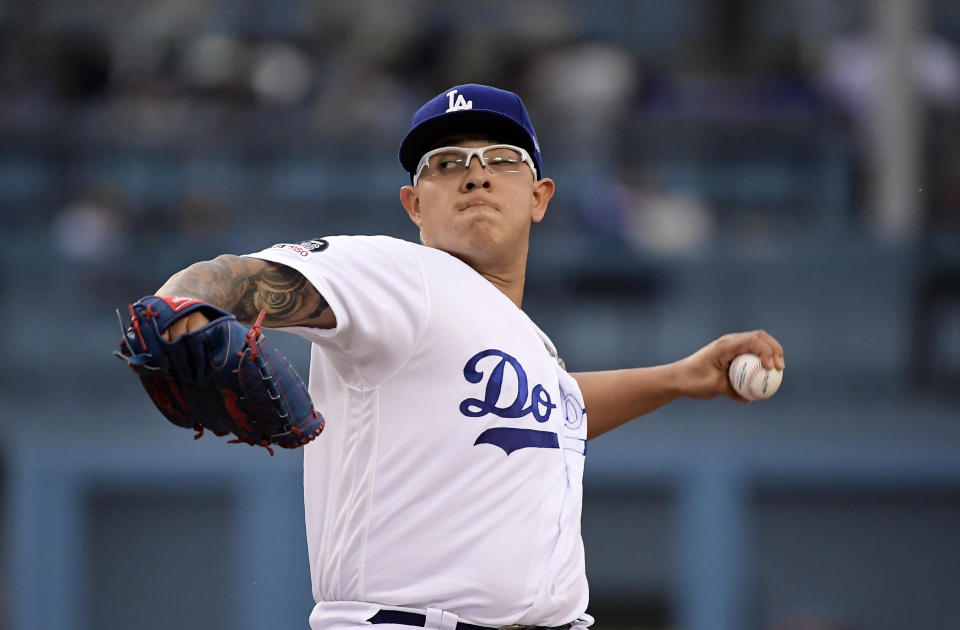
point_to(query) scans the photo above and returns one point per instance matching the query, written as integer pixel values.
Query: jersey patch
(315, 244)
(304, 248)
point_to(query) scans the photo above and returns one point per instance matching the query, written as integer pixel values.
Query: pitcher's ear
(410, 199)
(543, 190)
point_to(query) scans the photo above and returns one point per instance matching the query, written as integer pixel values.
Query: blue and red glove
(224, 376)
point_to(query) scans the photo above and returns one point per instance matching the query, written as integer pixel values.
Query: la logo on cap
(459, 104)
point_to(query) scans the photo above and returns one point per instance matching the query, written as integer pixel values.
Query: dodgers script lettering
(540, 404)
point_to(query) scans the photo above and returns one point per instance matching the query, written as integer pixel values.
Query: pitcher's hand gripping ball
(223, 377)
(751, 380)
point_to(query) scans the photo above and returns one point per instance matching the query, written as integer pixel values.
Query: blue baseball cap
(469, 108)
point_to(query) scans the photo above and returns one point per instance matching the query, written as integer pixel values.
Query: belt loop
(440, 620)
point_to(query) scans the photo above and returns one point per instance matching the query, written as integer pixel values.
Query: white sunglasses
(496, 158)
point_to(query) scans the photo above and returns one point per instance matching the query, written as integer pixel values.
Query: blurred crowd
(677, 123)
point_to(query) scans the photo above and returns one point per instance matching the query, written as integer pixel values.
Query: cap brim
(424, 136)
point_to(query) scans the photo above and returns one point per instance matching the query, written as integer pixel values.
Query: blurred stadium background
(721, 165)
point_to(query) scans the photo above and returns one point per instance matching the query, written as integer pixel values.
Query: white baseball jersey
(449, 475)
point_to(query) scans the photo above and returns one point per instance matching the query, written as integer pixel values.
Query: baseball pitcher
(445, 489)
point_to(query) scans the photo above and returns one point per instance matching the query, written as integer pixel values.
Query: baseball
(751, 380)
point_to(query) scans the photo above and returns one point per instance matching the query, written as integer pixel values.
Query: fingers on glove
(191, 322)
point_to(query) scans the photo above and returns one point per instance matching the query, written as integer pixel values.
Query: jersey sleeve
(376, 289)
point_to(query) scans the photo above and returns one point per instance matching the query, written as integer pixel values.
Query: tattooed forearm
(219, 281)
(245, 286)
(285, 294)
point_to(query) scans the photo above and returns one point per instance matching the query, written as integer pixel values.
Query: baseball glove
(223, 377)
